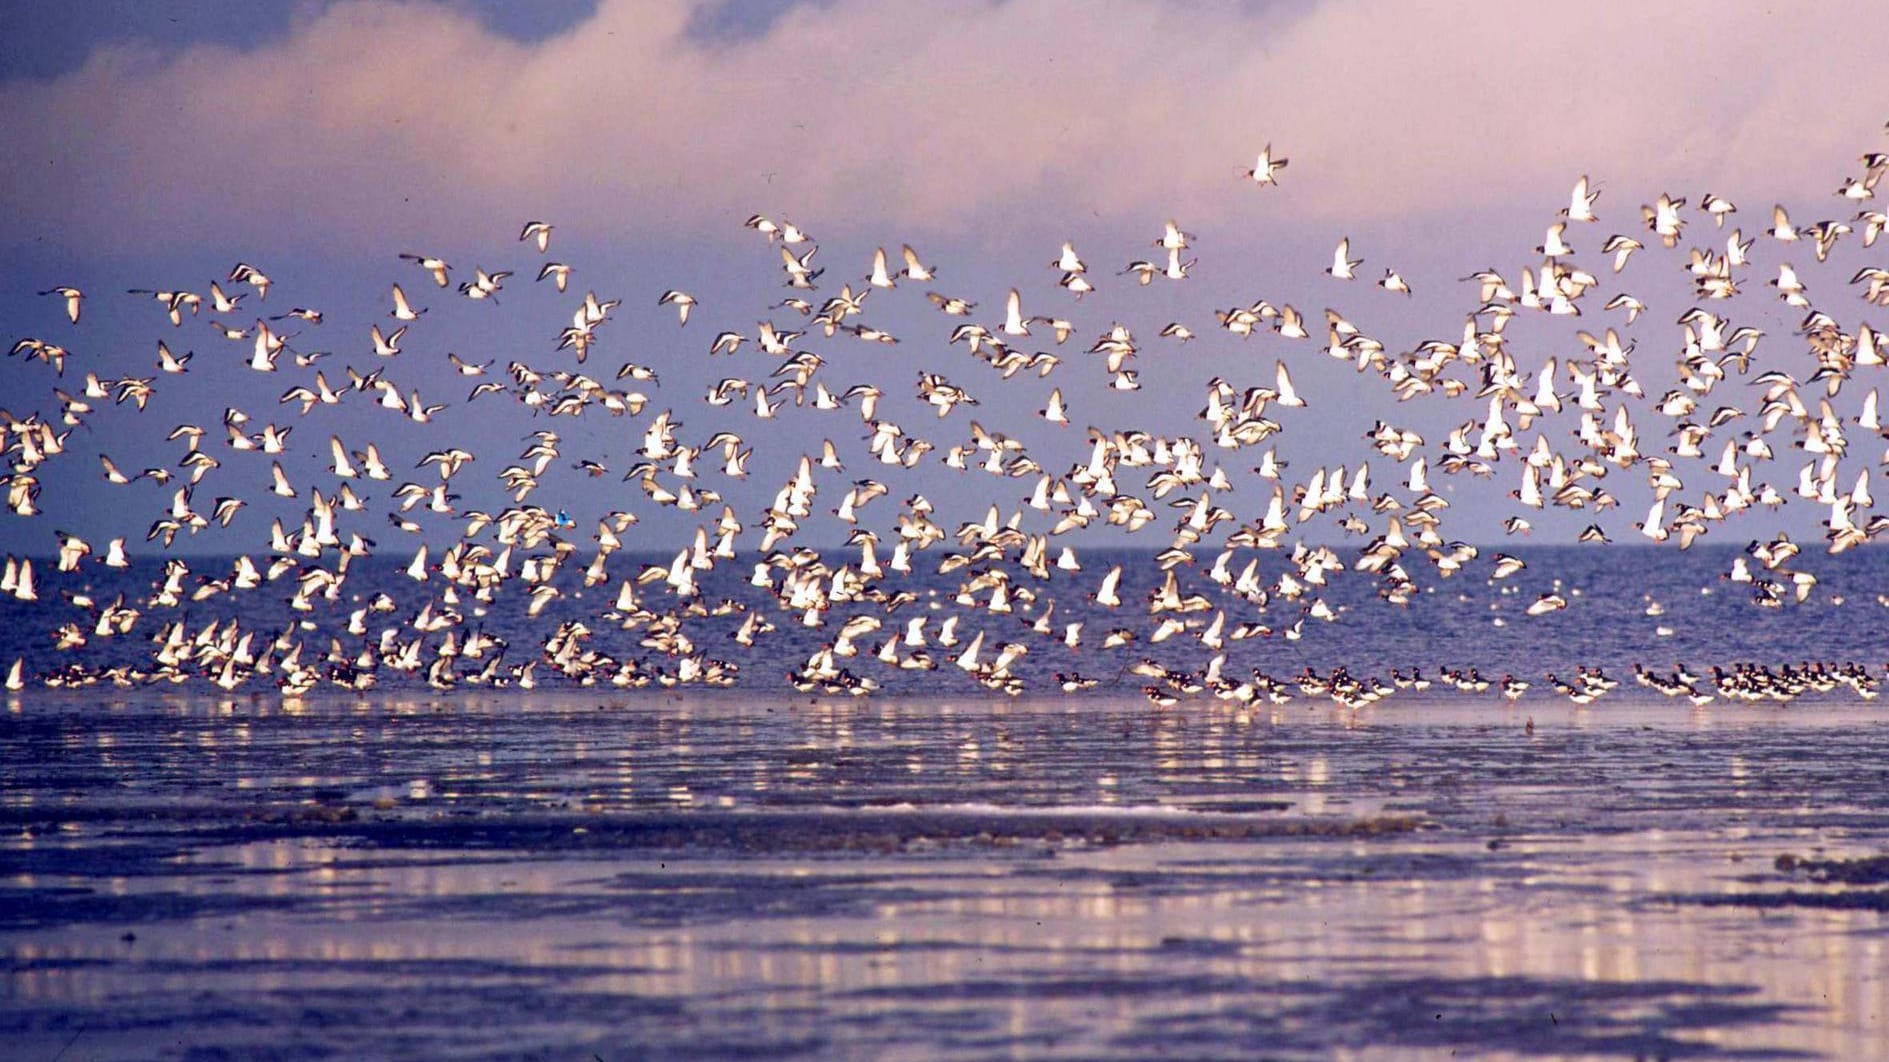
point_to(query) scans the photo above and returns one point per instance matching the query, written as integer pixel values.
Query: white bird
(539, 231)
(914, 268)
(387, 346)
(682, 301)
(1553, 244)
(1581, 202)
(168, 362)
(436, 266)
(403, 311)
(1287, 395)
(1781, 228)
(72, 550)
(245, 273)
(466, 368)
(1547, 603)
(263, 355)
(72, 296)
(1177, 269)
(1664, 220)
(880, 277)
(1621, 247)
(800, 271)
(1266, 169)
(1014, 324)
(1054, 411)
(1342, 264)
(484, 285)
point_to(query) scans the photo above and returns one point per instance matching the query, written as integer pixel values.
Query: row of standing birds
(1744, 682)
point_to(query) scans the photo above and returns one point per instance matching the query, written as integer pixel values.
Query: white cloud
(371, 124)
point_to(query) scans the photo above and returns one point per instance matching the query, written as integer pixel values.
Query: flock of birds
(1003, 571)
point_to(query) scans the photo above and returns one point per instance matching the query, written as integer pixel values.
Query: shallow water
(1626, 605)
(571, 876)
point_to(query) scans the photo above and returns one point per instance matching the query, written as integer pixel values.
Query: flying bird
(682, 301)
(1266, 169)
(1342, 264)
(539, 231)
(73, 296)
(403, 310)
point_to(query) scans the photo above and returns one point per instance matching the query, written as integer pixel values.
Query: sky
(135, 129)
(153, 146)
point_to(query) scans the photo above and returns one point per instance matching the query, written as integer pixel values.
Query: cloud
(371, 124)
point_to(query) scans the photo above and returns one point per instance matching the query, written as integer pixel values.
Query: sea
(939, 871)
(1658, 607)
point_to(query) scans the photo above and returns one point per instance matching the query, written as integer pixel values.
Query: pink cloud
(373, 124)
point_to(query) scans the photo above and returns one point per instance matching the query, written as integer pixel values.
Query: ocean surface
(1657, 607)
(938, 871)
(605, 875)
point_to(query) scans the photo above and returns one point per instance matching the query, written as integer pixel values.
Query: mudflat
(577, 875)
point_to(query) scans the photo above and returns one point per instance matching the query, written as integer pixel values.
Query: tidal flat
(588, 875)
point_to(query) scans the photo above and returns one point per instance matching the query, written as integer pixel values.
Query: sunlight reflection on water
(717, 876)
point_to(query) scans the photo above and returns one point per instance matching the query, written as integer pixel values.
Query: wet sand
(585, 875)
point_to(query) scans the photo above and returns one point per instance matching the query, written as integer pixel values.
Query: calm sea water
(1626, 605)
(586, 875)
(938, 872)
